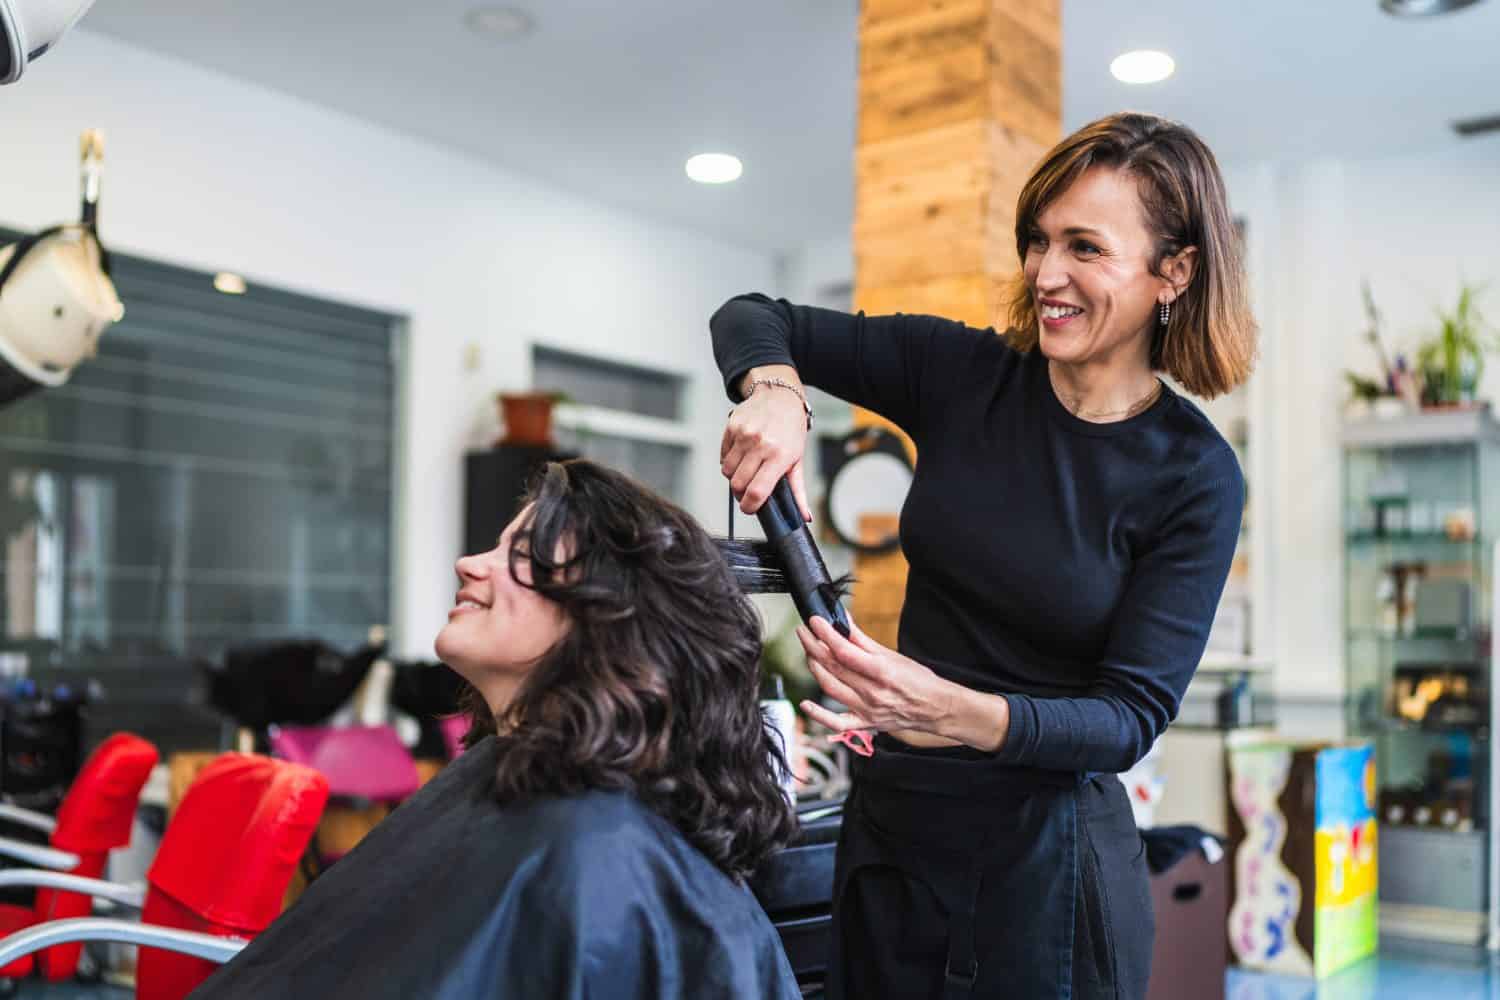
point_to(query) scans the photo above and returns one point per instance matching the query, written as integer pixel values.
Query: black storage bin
(494, 482)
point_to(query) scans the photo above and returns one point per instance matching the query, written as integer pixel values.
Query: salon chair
(96, 817)
(795, 888)
(218, 879)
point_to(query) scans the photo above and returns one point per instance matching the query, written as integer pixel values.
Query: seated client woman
(619, 785)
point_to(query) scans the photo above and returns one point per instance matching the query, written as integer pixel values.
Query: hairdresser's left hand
(883, 689)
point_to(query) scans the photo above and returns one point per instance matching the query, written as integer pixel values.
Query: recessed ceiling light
(1423, 8)
(499, 23)
(229, 284)
(1142, 66)
(715, 168)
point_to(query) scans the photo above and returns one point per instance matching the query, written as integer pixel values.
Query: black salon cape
(454, 896)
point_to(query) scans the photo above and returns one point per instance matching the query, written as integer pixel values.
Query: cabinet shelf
(1370, 539)
(1479, 731)
(1444, 470)
(1371, 634)
(1388, 825)
(1232, 663)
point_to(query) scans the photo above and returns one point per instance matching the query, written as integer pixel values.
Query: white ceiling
(608, 99)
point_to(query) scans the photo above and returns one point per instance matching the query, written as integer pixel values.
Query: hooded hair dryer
(56, 297)
(28, 28)
(788, 561)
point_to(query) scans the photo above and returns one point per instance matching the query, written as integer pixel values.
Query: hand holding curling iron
(889, 692)
(764, 440)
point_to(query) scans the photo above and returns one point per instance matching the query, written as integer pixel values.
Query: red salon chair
(218, 880)
(95, 817)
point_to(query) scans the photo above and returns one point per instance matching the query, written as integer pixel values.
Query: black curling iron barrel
(813, 590)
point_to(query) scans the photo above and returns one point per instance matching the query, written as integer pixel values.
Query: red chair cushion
(226, 859)
(166, 975)
(97, 813)
(230, 849)
(95, 817)
(12, 919)
(59, 962)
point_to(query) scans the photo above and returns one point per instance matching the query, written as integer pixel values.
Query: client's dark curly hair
(654, 689)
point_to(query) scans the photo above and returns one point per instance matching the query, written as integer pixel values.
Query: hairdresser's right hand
(763, 441)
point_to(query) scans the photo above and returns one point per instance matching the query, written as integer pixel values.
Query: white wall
(214, 173)
(818, 272)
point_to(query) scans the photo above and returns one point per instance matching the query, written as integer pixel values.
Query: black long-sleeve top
(1072, 567)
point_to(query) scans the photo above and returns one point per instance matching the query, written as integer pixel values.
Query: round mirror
(868, 476)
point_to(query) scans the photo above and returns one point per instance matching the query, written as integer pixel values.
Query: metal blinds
(221, 472)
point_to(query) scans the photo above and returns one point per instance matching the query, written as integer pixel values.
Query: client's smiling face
(499, 628)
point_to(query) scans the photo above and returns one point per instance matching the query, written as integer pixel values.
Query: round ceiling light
(1142, 66)
(230, 283)
(1423, 8)
(501, 24)
(715, 168)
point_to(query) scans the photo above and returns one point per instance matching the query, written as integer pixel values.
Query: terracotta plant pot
(527, 417)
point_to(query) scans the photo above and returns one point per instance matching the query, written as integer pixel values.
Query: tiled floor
(71, 991)
(1402, 971)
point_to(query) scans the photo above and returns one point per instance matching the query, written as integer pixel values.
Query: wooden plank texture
(958, 101)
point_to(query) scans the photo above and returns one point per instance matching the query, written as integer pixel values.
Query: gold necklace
(1137, 407)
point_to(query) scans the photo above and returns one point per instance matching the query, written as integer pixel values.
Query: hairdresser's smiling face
(1088, 269)
(499, 628)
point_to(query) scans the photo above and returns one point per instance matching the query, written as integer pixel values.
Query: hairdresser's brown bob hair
(1209, 345)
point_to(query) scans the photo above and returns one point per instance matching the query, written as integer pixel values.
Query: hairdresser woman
(1069, 529)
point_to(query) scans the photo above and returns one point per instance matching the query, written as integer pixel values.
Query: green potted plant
(782, 656)
(1452, 360)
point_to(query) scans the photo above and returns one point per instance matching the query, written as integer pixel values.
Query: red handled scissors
(861, 741)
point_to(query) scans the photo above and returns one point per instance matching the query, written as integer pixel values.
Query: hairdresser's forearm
(976, 719)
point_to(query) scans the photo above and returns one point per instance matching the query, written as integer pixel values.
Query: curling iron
(788, 561)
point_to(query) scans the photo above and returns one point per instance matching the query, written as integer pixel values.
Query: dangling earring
(1166, 313)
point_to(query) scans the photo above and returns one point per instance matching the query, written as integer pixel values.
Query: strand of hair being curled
(654, 688)
(756, 567)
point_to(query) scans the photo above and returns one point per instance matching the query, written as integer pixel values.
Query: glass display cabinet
(1421, 515)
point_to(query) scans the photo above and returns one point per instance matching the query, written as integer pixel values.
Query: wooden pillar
(958, 100)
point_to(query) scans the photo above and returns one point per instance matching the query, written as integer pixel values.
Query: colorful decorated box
(1302, 846)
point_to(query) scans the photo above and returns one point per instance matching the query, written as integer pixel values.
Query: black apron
(958, 879)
